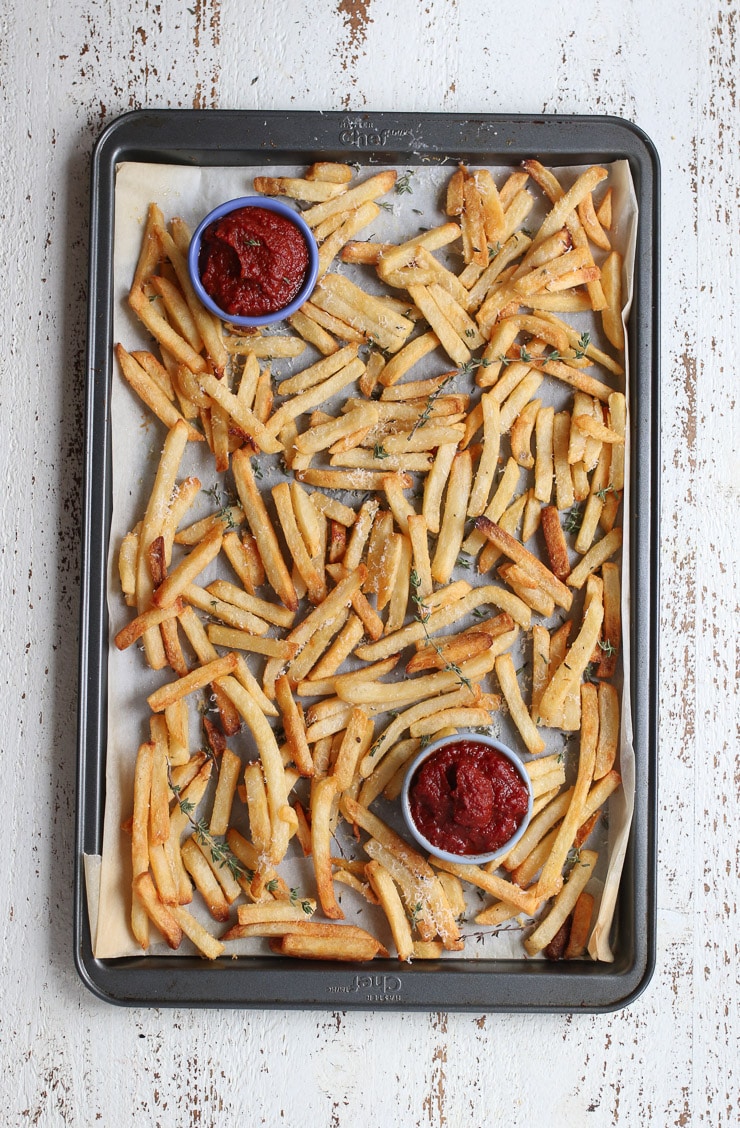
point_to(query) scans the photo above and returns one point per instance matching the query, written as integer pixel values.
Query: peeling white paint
(65, 71)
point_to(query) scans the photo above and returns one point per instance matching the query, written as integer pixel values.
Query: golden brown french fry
(452, 527)
(595, 557)
(506, 674)
(526, 560)
(206, 944)
(191, 566)
(196, 679)
(151, 394)
(611, 315)
(612, 627)
(557, 548)
(390, 901)
(158, 913)
(323, 798)
(564, 903)
(225, 790)
(262, 530)
(569, 672)
(277, 790)
(608, 742)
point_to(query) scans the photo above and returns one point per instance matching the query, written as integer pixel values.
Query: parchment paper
(136, 445)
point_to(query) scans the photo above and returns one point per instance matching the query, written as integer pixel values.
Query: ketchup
(252, 262)
(467, 798)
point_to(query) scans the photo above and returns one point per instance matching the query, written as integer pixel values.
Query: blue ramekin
(268, 204)
(465, 859)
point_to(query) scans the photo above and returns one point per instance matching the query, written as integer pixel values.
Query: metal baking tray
(234, 137)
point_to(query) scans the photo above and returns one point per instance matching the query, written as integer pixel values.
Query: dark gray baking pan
(250, 138)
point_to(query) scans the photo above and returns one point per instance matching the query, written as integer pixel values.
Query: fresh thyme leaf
(493, 251)
(379, 451)
(479, 613)
(573, 519)
(601, 494)
(295, 898)
(403, 183)
(271, 886)
(608, 647)
(588, 673)
(582, 347)
(257, 471)
(226, 515)
(385, 206)
(463, 561)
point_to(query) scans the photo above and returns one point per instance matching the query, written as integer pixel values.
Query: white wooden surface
(65, 71)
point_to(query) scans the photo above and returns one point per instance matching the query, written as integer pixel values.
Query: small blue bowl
(465, 859)
(267, 204)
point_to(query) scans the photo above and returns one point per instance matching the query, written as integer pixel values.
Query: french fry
(151, 394)
(557, 548)
(272, 764)
(295, 729)
(158, 913)
(323, 798)
(262, 530)
(204, 880)
(206, 944)
(564, 903)
(340, 947)
(611, 314)
(510, 688)
(196, 679)
(177, 582)
(489, 458)
(608, 741)
(451, 530)
(525, 559)
(314, 581)
(612, 627)
(390, 901)
(595, 557)
(569, 672)
(225, 791)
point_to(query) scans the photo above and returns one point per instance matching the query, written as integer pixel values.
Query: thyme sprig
(219, 850)
(463, 370)
(431, 400)
(423, 614)
(403, 184)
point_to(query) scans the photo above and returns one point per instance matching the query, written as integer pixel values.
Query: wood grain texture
(67, 70)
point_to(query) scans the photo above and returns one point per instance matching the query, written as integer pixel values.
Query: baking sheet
(136, 438)
(237, 138)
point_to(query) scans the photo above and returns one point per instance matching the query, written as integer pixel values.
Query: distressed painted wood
(65, 71)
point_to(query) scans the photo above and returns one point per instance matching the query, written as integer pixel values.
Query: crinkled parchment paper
(136, 443)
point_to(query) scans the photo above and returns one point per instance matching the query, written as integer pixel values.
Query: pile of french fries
(341, 642)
